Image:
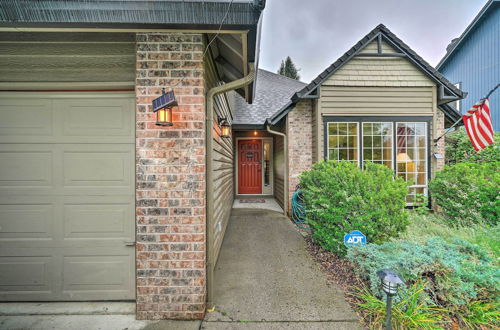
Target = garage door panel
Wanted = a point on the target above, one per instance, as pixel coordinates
(98, 221)
(24, 276)
(85, 276)
(23, 119)
(25, 221)
(21, 168)
(102, 167)
(67, 198)
(98, 118)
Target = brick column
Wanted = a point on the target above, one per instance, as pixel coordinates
(170, 173)
(300, 126)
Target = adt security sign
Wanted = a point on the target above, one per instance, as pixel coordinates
(354, 238)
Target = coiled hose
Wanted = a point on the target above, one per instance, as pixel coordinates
(298, 209)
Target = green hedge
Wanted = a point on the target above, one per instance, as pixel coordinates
(468, 193)
(459, 149)
(340, 197)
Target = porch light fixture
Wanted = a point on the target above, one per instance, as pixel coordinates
(225, 128)
(390, 284)
(163, 106)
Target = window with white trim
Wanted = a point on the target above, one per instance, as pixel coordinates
(377, 143)
(343, 141)
(400, 145)
(411, 157)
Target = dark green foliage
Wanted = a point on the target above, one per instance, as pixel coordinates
(458, 272)
(288, 69)
(468, 193)
(459, 149)
(340, 197)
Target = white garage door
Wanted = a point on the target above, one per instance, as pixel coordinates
(67, 201)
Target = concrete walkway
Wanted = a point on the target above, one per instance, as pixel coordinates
(265, 279)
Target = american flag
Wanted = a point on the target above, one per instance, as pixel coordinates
(478, 125)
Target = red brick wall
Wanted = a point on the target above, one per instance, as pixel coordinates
(300, 155)
(170, 187)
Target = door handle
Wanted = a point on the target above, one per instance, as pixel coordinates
(129, 243)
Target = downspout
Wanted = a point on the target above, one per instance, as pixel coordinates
(209, 126)
(285, 174)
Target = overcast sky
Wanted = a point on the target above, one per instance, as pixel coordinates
(314, 33)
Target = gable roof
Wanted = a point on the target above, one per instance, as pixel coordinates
(456, 43)
(391, 39)
(273, 91)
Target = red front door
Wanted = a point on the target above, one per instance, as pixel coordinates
(250, 167)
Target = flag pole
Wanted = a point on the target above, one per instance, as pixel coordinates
(458, 121)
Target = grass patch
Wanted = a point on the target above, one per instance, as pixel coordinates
(426, 226)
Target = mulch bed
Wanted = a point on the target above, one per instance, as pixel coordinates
(338, 271)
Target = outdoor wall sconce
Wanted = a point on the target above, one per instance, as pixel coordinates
(163, 106)
(225, 128)
(390, 283)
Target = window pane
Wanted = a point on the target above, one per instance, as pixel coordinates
(343, 141)
(332, 129)
(367, 141)
(411, 157)
(343, 154)
(377, 143)
(353, 129)
(342, 128)
(333, 154)
(352, 141)
(333, 142)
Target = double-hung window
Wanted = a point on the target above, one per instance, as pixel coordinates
(398, 143)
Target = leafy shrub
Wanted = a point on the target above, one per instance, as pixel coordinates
(340, 197)
(410, 311)
(458, 272)
(459, 149)
(468, 192)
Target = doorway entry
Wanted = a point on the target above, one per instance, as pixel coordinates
(254, 168)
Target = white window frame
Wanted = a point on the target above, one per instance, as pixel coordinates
(357, 139)
(392, 139)
(426, 157)
(394, 122)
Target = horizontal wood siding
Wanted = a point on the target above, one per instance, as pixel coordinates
(279, 169)
(376, 100)
(42, 58)
(222, 165)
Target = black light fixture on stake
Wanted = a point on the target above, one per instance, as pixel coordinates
(225, 128)
(390, 284)
(163, 106)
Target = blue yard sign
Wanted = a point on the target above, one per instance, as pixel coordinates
(354, 238)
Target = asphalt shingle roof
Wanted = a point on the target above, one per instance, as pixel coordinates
(273, 91)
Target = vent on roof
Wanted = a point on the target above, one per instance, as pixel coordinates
(451, 44)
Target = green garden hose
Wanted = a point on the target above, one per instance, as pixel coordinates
(298, 209)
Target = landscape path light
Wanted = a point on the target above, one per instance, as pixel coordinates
(390, 284)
